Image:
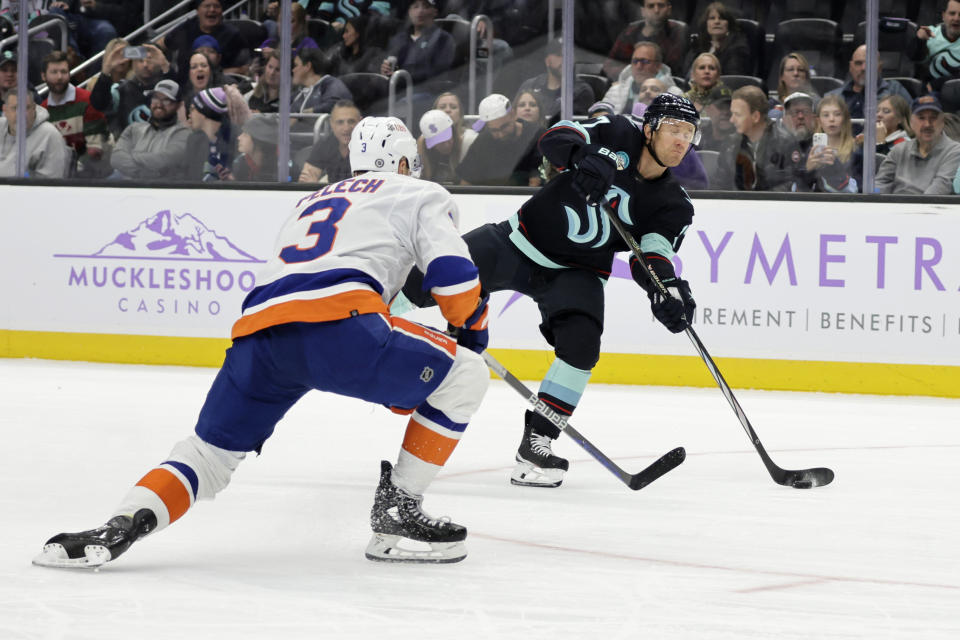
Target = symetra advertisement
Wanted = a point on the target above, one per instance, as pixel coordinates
(826, 281)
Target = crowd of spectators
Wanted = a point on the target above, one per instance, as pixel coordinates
(199, 101)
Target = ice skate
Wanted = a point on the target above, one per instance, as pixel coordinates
(91, 549)
(536, 465)
(402, 532)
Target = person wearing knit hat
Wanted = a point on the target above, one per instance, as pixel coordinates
(212, 103)
(211, 139)
(257, 145)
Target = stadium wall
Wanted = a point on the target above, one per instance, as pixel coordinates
(804, 293)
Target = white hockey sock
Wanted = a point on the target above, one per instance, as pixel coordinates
(194, 470)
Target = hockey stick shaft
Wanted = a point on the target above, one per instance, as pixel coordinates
(816, 477)
(635, 481)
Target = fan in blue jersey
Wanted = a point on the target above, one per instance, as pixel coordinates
(318, 319)
(558, 249)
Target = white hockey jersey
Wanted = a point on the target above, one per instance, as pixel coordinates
(349, 247)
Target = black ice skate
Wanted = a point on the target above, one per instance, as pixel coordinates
(536, 465)
(402, 532)
(91, 549)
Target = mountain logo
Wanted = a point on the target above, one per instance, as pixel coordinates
(164, 236)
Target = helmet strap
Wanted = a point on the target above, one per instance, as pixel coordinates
(653, 154)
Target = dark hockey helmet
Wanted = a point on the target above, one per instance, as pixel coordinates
(668, 106)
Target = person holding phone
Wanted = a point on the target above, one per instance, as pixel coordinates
(126, 102)
(834, 162)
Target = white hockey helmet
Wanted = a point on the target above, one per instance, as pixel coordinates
(377, 144)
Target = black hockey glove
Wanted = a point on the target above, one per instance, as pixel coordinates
(473, 334)
(676, 311)
(595, 167)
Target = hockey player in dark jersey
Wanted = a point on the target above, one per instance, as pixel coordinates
(558, 249)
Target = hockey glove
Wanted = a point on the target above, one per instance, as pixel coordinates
(473, 334)
(596, 167)
(676, 310)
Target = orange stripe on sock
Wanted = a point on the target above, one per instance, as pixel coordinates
(165, 484)
(427, 445)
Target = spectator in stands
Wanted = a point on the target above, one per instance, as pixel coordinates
(852, 92)
(837, 166)
(893, 123)
(450, 104)
(505, 152)
(353, 54)
(203, 75)
(8, 72)
(235, 56)
(118, 69)
(424, 50)
(125, 101)
(928, 163)
(704, 77)
(339, 12)
(938, 47)
(547, 85)
(319, 90)
(298, 29)
(799, 120)
(47, 153)
(527, 107)
(257, 147)
(440, 149)
(646, 63)
(83, 127)
(265, 97)
(716, 127)
(212, 146)
(155, 149)
(718, 33)
(329, 159)
(654, 27)
(763, 157)
(86, 34)
(794, 77)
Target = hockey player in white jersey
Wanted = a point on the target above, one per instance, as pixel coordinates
(318, 319)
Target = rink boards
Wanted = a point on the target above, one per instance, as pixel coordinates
(803, 295)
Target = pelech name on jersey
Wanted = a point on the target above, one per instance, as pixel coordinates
(350, 185)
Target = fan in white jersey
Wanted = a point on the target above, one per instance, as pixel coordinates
(318, 319)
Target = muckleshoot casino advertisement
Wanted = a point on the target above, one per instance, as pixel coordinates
(785, 281)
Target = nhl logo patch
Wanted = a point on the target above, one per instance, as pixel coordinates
(427, 374)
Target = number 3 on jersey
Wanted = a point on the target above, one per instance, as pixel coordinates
(324, 231)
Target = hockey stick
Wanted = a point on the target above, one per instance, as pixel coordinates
(635, 481)
(798, 479)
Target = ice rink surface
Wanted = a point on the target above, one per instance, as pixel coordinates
(713, 549)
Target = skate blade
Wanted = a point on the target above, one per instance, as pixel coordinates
(393, 548)
(527, 474)
(54, 555)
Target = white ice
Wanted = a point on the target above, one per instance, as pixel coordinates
(712, 550)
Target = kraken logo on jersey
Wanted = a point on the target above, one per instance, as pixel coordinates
(597, 230)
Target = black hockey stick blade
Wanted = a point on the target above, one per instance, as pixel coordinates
(635, 481)
(665, 463)
(800, 479)
(806, 478)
